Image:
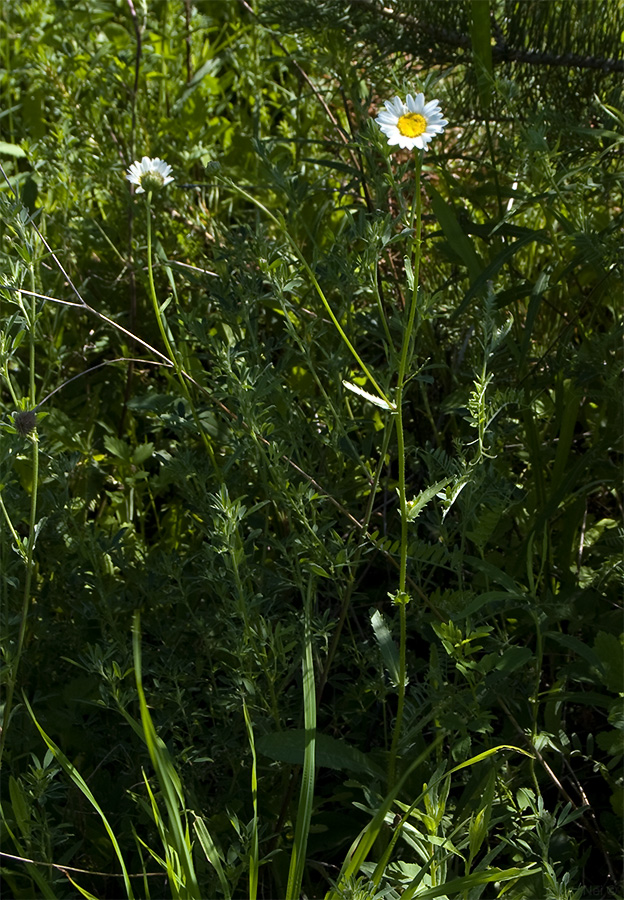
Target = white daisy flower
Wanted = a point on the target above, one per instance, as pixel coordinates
(149, 174)
(411, 124)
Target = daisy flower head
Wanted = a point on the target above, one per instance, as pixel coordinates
(411, 124)
(149, 174)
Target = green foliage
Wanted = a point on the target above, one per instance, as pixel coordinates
(178, 449)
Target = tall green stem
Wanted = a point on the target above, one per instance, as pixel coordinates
(8, 706)
(406, 356)
(171, 352)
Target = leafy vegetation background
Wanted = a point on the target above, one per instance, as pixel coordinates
(513, 419)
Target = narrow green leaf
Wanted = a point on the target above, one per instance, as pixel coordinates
(212, 854)
(362, 845)
(481, 38)
(83, 891)
(486, 754)
(20, 807)
(570, 405)
(532, 310)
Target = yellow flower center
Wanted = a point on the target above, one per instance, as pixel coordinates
(412, 124)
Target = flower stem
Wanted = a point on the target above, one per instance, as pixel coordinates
(171, 351)
(404, 361)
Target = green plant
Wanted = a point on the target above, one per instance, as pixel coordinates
(302, 385)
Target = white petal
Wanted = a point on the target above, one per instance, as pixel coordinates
(395, 106)
(432, 107)
(416, 104)
(386, 118)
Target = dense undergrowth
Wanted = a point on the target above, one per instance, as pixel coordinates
(215, 682)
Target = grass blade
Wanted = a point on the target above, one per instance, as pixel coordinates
(253, 861)
(169, 782)
(362, 845)
(212, 854)
(469, 881)
(306, 798)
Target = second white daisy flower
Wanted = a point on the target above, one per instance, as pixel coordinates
(411, 124)
(149, 174)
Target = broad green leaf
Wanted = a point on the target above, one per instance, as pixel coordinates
(454, 233)
(289, 747)
(578, 647)
(610, 651)
(493, 597)
(11, 150)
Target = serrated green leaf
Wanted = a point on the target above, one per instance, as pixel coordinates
(416, 506)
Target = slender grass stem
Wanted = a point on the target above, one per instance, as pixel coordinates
(299, 254)
(31, 340)
(382, 315)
